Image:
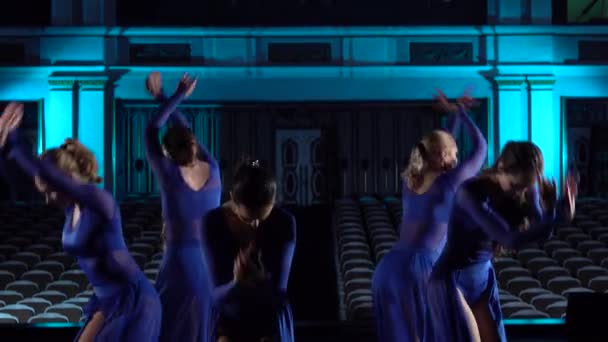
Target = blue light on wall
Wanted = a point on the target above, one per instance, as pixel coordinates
(58, 118)
(91, 118)
(545, 123)
(512, 111)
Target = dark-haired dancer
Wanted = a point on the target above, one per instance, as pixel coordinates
(125, 306)
(430, 181)
(463, 293)
(190, 186)
(250, 245)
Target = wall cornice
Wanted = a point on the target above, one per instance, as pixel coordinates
(352, 31)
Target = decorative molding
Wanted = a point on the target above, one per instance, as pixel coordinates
(509, 82)
(160, 53)
(299, 53)
(357, 31)
(92, 84)
(545, 82)
(61, 83)
(441, 53)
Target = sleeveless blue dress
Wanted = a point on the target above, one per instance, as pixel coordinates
(129, 303)
(182, 280)
(250, 313)
(400, 279)
(466, 261)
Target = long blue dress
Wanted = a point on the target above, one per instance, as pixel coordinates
(129, 303)
(250, 313)
(466, 261)
(399, 282)
(182, 281)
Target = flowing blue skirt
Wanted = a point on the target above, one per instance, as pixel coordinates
(399, 292)
(183, 286)
(133, 314)
(446, 320)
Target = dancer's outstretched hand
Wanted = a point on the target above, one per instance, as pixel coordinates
(466, 100)
(548, 193)
(154, 84)
(442, 103)
(570, 193)
(10, 120)
(187, 85)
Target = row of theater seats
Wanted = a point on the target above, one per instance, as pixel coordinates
(41, 283)
(534, 282)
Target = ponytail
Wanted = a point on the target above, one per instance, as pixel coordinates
(413, 174)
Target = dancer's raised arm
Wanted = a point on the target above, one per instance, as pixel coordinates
(154, 86)
(81, 191)
(154, 151)
(495, 226)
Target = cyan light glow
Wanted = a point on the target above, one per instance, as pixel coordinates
(534, 321)
(512, 116)
(58, 117)
(57, 325)
(91, 120)
(545, 128)
(508, 321)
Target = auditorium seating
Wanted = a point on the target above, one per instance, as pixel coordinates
(39, 282)
(534, 282)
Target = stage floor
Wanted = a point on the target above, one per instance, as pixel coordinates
(546, 330)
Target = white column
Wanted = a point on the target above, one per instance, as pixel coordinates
(92, 117)
(59, 111)
(512, 109)
(545, 122)
(62, 12)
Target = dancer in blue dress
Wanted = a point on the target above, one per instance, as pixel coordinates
(250, 245)
(190, 186)
(125, 306)
(430, 182)
(463, 302)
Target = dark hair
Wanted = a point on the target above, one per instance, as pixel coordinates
(178, 143)
(520, 157)
(253, 186)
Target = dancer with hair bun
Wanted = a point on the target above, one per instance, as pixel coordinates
(429, 184)
(250, 244)
(125, 306)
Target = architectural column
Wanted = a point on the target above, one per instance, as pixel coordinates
(545, 122)
(512, 109)
(99, 12)
(59, 112)
(63, 12)
(541, 12)
(91, 127)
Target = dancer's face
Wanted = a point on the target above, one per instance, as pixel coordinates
(447, 154)
(517, 183)
(253, 217)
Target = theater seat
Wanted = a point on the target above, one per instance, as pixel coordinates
(48, 317)
(38, 304)
(69, 288)
(25, 287)
(6, 318)
(22, 312)
(556, 310)
(529, 313)
(10, 297)
(54, 297)
(71, 311)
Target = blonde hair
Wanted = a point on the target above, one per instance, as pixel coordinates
(430, 145)
(72, 157)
